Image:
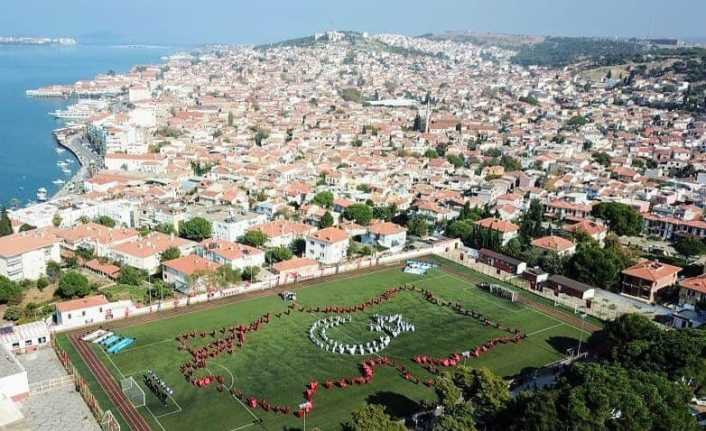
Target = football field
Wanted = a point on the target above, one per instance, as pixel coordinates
(275, 363)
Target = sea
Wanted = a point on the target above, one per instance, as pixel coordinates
(28, 151)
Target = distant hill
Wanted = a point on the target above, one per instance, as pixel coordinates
(507, 41)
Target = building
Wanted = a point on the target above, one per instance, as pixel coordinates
(328, 246)
(144, 253)
(567, 286)
(25, 338)
(296, 267)
(84, 311)
(14, 385)
(501, 262)
(183, 272)
(281, 233)
(594, 230)
(231, 254)
(644, 279)
(24, 255)
(692, 290)
(96, 237)
(236, 225)
(504, 229)
(555, 244)
(388, 235)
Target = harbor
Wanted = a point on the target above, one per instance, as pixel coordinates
(74, 140)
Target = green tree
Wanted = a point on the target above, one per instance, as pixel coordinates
(10, 292)
(73, 284)
(250, 273)
(326, 220)
(621, 218)
(278, 254)
(13, 313)
(131, 276)
(166, 228)
(597, 266)
(298, 246)
(170, 254)
(602, 158)
(56, 220)
(372, 418)
(254, 238)
(510, 163)
(360, 213)
(531, 225)
(456, 159)
(5, 223)
(42, 283)
(26, 227)
(106, 221)
(459, 229)
(689, 246)
(417, 226)
(53, 271)
(324, 199)
(431, 154)
(230, 119)
(196, 229)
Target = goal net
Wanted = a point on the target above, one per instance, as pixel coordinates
(133, 392)
(503, 292)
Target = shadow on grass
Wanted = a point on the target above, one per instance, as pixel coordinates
(563, 344)
(395, 405)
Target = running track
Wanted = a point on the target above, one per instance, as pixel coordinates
(109, 385)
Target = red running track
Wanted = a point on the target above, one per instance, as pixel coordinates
(110, 386)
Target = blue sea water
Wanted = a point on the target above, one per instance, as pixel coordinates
(28, 153)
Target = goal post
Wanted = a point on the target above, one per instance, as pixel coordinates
(133, 391)
(503, 292)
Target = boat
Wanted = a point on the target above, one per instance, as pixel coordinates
(59, 150)
(66, 170)
(41, 194)
(58, 181)
(69, 161)
(61, 163)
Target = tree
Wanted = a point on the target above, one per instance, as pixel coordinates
(170, 254)
(361, 213)
(26, 227)
(13, 313)
(621, 218)
(166, 228)
(250, 273)
(510, 163)
(230, 119)
(326, 220)
(254, 238)
(456, 159)
(131, 276)
(42, 283)
(459, 229)
(602, 158)
(196, 229)
(56, 220)
(73, 284)
(5, 223)
(53, 271)
(372, 418)
(431, 154)
(324, 199)
(298, 246)
(689, 246)
(277, 254)
(417, 226)
(597, 266)
(106, 221)
(84, 252)
(10, 292)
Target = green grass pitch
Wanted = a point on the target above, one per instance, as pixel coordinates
(278, 361)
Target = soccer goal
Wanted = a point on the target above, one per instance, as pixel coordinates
(503, 292)
(133, 391)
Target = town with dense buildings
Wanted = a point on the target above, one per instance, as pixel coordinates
(229, 169)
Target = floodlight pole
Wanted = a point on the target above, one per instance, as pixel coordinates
(305, 420)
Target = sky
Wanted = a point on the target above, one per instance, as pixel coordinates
(192, 22)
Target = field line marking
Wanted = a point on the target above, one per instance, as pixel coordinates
(242, 427)
(546, 329)
(232, 378)
(147, 345)
(558, 320)
(509, 310)
(155, 418)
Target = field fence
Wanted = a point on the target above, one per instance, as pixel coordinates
(105, 419)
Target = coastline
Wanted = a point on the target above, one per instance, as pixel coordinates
(73, 141)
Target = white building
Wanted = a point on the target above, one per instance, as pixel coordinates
(24, 338)
(234, 255)
(389, 235)
(183, 272)
(144, 253)
(25, 255)
(236, 225)
(14, 385)
(328, 246)
(85, 311)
